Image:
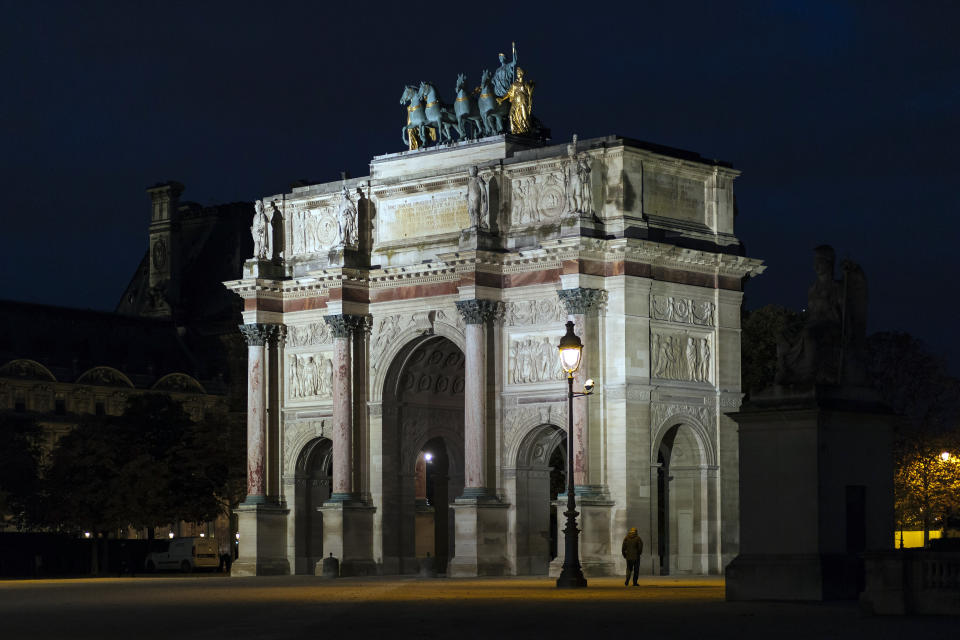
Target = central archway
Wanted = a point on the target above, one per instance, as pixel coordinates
(422, 413)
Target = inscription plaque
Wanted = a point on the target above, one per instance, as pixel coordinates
(673, 196)
(423, 215)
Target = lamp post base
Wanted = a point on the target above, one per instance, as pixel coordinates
(571, 580)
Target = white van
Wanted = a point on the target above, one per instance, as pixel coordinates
(184, 554)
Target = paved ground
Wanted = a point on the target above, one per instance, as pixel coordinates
(212, 607)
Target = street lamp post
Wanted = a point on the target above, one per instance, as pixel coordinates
(571, 577)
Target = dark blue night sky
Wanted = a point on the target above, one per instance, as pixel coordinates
(842, 116)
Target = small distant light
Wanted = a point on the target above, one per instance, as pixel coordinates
(428, 457)
(945, 456)
(170, 534)
(86, 534)
(203, 535)
(238, 535)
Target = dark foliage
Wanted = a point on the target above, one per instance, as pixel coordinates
(151, 466)
(20, 440)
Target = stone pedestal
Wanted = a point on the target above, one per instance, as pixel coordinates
(816, 492)
(481, 538)
(597, 556)
(263, 532)
(424, 525)
(348, 535)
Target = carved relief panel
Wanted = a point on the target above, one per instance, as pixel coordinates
(686, 356)
(313, 228)
(537, 199)
(309, 375)
(535, 312)
(315, 333)
(533, 358)
(683, 310)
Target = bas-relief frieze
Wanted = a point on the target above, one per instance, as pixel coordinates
(315, 333)
(660, 412)
(682, 356)
(537, 199)
(296, 434)
(313, 228)
(533, 359)
(422, 215)
(387, 328)
(519, 420)
(310, 376)
(683, 310)
(535, 312)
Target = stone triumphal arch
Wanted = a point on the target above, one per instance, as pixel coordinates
(404, 391)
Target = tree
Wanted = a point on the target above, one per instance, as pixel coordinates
(151, 466)
(81, 480)
(915, 383)
(19, 468)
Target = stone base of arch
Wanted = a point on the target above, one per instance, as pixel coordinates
(263, 532)
(598, 557)
(348, 535)
(481, 530)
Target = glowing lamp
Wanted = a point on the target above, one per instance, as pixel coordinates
(945, 456)
(428, 456)
(570, 351)
(170, 534)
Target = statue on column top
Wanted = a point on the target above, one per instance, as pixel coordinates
(261, 236)
(348, 218)
(477, 205)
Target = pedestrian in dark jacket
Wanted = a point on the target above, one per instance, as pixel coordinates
(631, 550)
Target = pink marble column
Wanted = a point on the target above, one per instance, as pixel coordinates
(582, 306)
(477, 314)
(420, 479)
(257, 335)
(342, 328)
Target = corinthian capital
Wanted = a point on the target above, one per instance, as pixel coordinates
(258, 334)
(479, 311)
(581, 300)
(344, 324)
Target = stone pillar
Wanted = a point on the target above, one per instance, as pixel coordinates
(477, 314)
(347, 520)
(261, 519)
(258, 384)
(341, 327)
(582, 307)
(480, 519)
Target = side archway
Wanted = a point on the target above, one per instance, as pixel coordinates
(313, 481)
(540, 475)
(684, 508)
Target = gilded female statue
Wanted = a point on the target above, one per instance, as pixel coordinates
(520, 95)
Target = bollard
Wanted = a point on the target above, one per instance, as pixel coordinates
(331, 567)
(428, 567)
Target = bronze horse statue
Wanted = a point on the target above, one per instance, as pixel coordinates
(492, 114)
(438, 114)
(467, 111)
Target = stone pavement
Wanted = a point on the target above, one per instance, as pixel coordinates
(213, 607)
